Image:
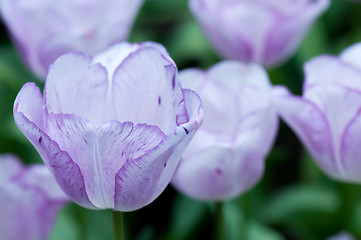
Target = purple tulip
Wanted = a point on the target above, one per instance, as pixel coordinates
(226, 157)
(30, 199)
(111, 128)
(327, 118)
(342, 236)
(263, 31)
(43, 30)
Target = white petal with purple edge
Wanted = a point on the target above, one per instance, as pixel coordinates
(326, 70)
(66, 172)
(350, 149)
(312, 127)
(151, 173)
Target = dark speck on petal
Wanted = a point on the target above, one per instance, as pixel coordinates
(186, 130)
(173, 82)
(165, 164)
(40, 139)
(159, 100)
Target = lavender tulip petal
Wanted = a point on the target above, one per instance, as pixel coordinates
(311, 125)
(219, 173)
(150, 174)
(17, 219)
(156, 85)
(252, 74)
(350, 152)
(266, 130)
(116, 54)
(191, 78)
(332, 100)
(210, 175)
(352, 55)
(251, 158)
(61, 95)
(40, 177)
(9, 166)
(326, 70)
(29, 101)
(214, 106)
(29, 118)
(93, 151)
(286, 35)
(29, 200)
(140, 181)
(66, 172)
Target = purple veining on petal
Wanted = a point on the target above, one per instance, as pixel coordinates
(312, 128)
(91, 154)
(151, 172)
(350, 151)
(59, 162)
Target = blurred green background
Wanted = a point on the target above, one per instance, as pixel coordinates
(294, 199)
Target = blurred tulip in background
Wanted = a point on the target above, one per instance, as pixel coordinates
(327, 118)
(43, 30)
(267, 32)
(226, 157)
(30, 199)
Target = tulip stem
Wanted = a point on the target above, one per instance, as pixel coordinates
(118, 223)
(220, 222)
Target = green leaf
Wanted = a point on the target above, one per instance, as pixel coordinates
(301, 201)
(258, 231)
(187, 215)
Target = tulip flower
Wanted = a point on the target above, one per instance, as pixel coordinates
(327, 118)
(30, 199)
(226, 157)
(342, 236)
(267, 32)
(111, 128)
(43, 30)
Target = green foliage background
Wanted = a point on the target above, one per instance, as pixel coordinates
(294, 199)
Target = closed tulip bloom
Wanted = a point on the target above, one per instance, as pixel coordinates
(43, 30)
(327, 118)
(30, 199)
(111, 128)
(226, 157)
(263, 31)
